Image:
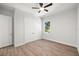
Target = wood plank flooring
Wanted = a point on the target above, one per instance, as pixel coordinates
(39, 48)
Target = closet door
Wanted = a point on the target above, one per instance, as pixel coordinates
(28, 29)
(5, 30)
(32, 29)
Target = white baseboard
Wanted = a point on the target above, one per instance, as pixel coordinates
(5, 44)
(17, 45)
(23, 43)
(63, 43)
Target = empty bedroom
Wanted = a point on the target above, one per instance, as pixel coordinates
(39, 29)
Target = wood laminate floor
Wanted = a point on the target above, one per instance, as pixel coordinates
(39, 48)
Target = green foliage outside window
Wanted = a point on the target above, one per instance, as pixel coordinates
(47, 26)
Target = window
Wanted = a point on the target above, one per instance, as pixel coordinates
(47, 26)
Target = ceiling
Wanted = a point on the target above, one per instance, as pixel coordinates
(56, 7)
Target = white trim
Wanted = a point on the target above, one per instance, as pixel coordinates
(63, 43)
(20, 44)
(5, 44)
(17, 45)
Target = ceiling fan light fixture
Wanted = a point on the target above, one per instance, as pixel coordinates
(41, 8)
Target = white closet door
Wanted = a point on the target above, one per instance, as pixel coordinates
(32, 29)
(5, 30)
(28, 28)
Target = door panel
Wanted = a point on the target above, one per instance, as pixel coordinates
(28, 28)
(32, 29)
(5, 31)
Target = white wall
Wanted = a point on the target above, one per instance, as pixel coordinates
(27, 27)
(7, 12)
(63, 26)
(78, 28)
(5, 31)
(18, 28)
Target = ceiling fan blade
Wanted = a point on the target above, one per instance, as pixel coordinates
(39, 11)
(41, 4)
(35, 7)
(48, 5)
(46, 10)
